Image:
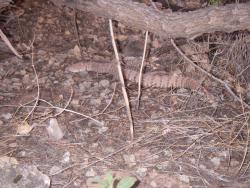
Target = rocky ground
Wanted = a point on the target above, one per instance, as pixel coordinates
(72, 128)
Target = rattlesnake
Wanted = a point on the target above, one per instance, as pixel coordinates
(149, 79)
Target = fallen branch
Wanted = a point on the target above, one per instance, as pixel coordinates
(227, 18)
(4, 3)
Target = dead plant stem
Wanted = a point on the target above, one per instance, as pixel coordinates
(7, 42)
(37, 81)
(125, 95)
(141, 69)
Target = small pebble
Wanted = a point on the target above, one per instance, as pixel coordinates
(66, 158)
(90, 173)
(216, 161)
(94, 145)
(22, 154)
(13, 145)
(6, 116)
(23, 72)
(104, 83)
(129, 160)
(142, 171)
(153, 184)
(184, 178)
(75, 102)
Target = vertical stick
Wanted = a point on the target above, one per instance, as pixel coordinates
(141, 69)
(125, 95)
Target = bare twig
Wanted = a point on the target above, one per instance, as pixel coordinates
(109, 101)
(125, 95)
(205, 182)
(154, 5)
(68, 110)
(67, 104)
(53, 107)
(76, 31)
(7, 42)
(141, 69)
(71, 181)
(246, 147)
(37, 81)
(210, 75)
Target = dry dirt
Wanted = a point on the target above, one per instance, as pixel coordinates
(180, 138)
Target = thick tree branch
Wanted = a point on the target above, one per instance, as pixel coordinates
(172, 25)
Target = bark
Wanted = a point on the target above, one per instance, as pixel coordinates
(4, 3)
(228, 18)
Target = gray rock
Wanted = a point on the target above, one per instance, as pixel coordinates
(54, 130)
(66, 158)
(14, 175)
